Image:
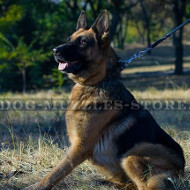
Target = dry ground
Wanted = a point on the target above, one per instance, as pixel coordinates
(32, 142)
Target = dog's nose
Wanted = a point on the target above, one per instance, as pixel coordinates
(55, 51)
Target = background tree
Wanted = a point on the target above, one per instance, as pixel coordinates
(146, 21)
(179, 7)
(120, 10)
(26, 57)
(29, 30)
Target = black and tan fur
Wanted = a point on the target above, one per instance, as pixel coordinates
(105, 124)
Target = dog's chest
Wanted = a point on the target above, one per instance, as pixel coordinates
(82, 114)
(85, 99)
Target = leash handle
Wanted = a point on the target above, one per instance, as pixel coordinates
(125, 63)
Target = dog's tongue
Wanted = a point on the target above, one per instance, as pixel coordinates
(62, 66)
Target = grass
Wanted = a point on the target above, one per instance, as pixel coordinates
(32, 142)
(31, 161)
(36, 152)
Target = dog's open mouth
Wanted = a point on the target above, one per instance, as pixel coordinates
(68, 66)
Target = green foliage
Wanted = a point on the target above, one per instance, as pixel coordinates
(25, 56)
(29, 30)
(132, 32)
(10, 17)
(58, 78)
(5, 43)
(188, 10)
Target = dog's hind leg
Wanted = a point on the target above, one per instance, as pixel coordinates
(134, 168)
(140, 174)
(151, 166)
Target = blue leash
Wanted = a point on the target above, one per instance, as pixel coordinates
(125, 63)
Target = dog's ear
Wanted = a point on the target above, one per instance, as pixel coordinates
(101, 25)
(82, 22)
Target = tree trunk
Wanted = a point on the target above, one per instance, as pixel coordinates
(120, 35)
(147, 23)
(126, 29)
(118, 10)
(114, 23)
(122, 32)
(24, 78)
(179, 52)
(95, 11)
(141, 34)
(179, 11)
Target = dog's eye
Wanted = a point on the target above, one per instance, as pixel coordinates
(83, 42)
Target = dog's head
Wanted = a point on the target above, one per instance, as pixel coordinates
(84, 57)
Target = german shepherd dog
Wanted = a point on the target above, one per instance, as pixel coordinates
(105, 123)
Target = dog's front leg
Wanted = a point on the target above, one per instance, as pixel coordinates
(74, 157)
